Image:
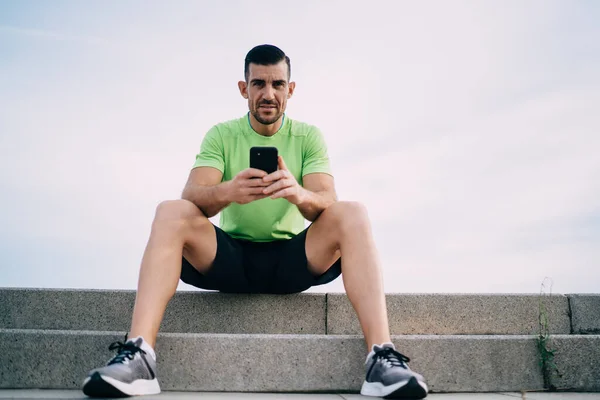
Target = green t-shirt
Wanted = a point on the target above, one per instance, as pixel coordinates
(226, 147)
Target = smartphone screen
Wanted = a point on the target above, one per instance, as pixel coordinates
(264, 158)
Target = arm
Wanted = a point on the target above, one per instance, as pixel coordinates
(318, 193)
(205, 190)
(204, 187)
(318, 189)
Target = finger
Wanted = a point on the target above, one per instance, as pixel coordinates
(275, 176)
(280, 184)
(281, 163)
(255, 182)
(282, 193)
(254, 191)
(272, 188)
(253, 173)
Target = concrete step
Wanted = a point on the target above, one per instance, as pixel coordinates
(300, 363)
(306, 313)
(198, 312)
(457, 314)
(586, 313)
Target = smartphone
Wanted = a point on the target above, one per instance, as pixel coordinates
(264, 158)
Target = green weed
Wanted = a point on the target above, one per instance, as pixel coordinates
(546, 352)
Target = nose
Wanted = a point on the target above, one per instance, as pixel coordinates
(269, 93)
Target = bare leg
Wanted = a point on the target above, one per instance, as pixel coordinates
(179, 228)
(344, 229)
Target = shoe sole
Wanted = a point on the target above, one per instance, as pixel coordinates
(104, 386)
(413, 389)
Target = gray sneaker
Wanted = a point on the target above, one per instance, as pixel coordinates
(388, 375)
(130, 373)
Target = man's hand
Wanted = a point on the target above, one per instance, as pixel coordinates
(247, 186)
(282, 184)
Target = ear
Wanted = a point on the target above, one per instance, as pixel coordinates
(243, 86)
(291, 88)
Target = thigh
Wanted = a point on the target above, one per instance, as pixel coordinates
(200, 240)
(322, 242)
(183, 226)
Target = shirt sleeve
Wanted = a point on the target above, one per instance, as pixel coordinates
(315, 157)
(211, 151)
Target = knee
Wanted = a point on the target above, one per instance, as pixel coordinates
(176, 214)
(348, 215)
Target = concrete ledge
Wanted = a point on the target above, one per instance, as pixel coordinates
(199, 312)
(577, 358)
(208, 312)
(585, 309)
(272, 363)
(456, 314)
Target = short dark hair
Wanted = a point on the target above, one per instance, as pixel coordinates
(266, 54)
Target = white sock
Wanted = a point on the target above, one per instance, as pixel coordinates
(145, 346)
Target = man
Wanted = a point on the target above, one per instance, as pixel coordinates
(261, 245)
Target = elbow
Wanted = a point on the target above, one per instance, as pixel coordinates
(206, 213)
(332, 198)
(185, 195)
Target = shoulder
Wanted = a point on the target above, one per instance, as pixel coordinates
(299, 128)
(228, 128)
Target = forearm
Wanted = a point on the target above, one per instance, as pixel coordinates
(314, 203)
(209, 199)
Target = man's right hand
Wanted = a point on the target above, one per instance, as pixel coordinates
(247, 186)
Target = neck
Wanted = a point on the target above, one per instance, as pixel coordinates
(265, 130)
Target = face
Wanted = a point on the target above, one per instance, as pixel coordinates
(267, 91)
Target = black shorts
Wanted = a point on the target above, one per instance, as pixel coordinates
(241, 266)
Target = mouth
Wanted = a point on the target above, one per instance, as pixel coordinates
(267, 106)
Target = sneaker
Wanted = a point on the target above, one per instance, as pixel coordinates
(388, 375)
(131, 372)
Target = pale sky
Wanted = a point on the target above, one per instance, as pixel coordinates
(469, 129)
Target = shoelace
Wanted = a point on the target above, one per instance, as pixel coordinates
(392, 357)
(125, 351)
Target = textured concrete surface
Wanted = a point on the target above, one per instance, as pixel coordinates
(196, 312)
(272, 363)
(211, 312)
(73, 394)
(585, 309)
(449, 314)
(577, 359)
(232, 313)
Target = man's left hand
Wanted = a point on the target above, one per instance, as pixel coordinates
(284, 185)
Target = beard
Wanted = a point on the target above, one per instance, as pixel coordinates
(266, 120)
